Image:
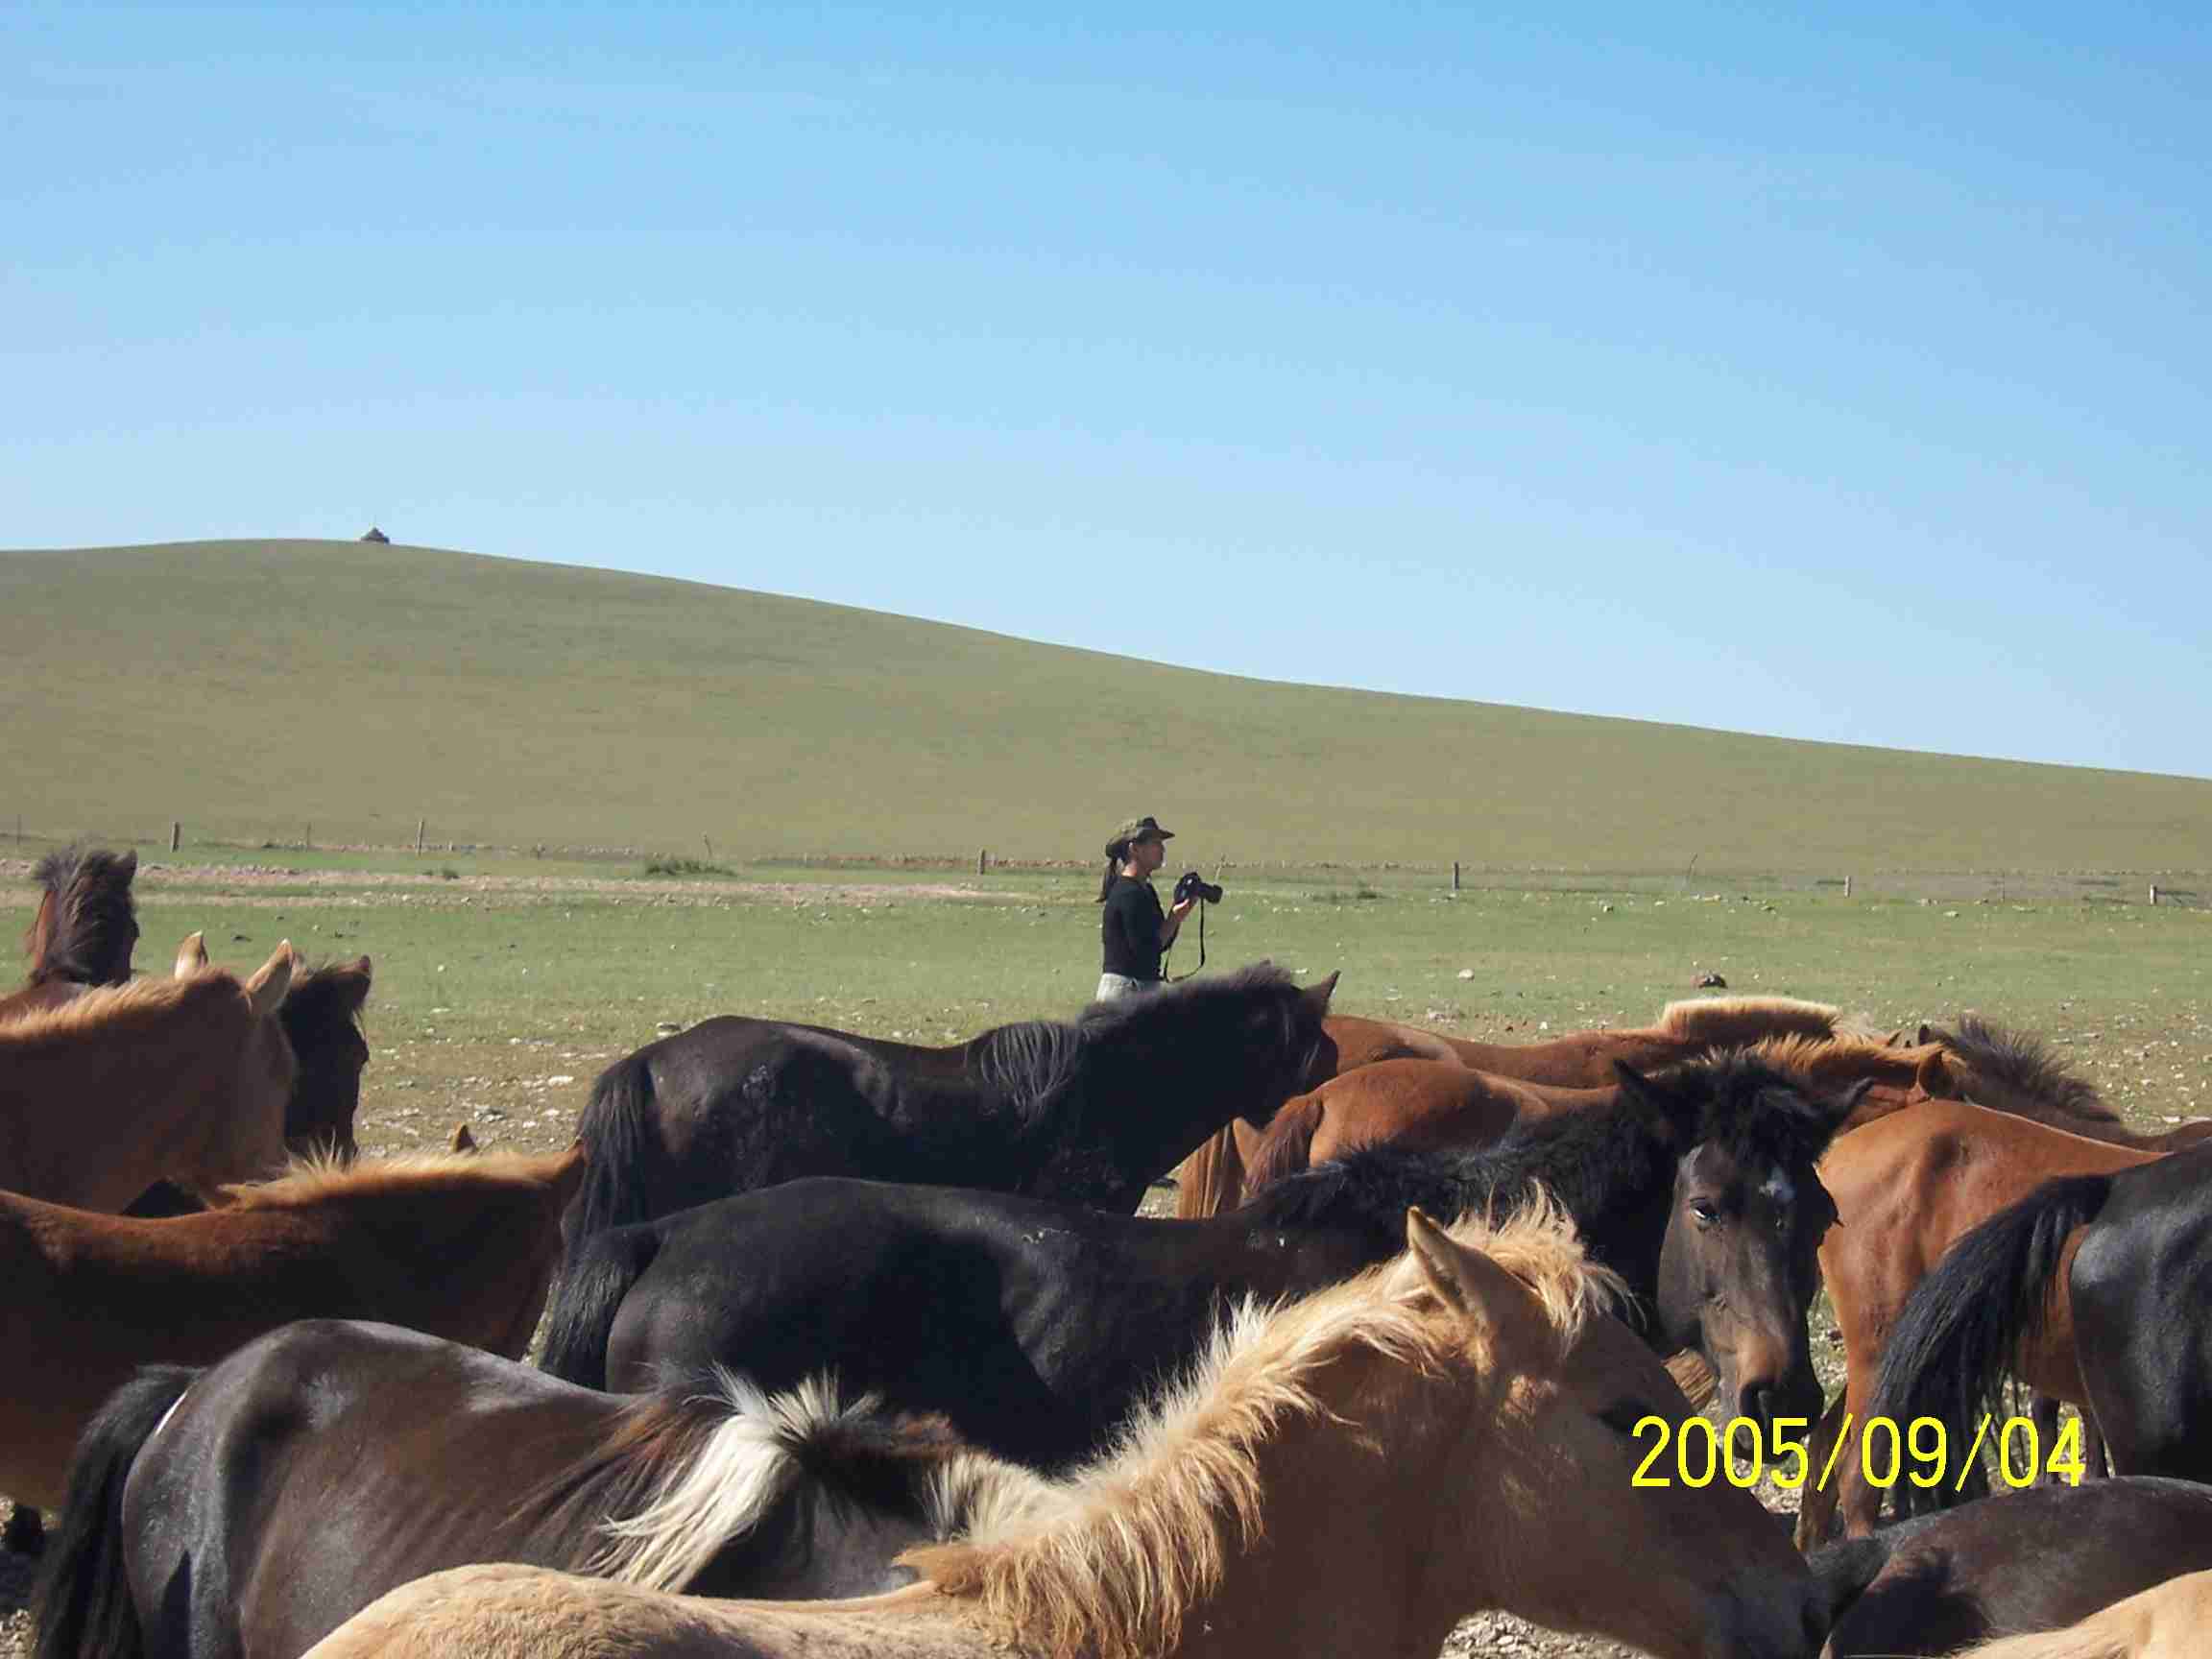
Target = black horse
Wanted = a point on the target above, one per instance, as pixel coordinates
(1087, 1110)
(2034, 1560)
(329, 1461)
(1036, 1327)
(2137, 1293)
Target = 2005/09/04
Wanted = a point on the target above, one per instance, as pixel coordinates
(1739, 1452)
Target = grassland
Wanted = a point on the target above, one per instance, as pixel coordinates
(284, 691)
(498, 997)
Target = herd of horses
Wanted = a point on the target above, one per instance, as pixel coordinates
(851, 1346)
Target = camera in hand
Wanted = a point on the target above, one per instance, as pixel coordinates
(1193, 885)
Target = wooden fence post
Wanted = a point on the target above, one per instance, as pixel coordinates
(419, 822)
(983, 862)
(1455, 874)
(2153, 894)
(1846, 886)
(175, 835)
(709, 846)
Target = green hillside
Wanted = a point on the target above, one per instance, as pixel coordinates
(248, 688)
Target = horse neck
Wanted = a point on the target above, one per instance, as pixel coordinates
(1609, 1170)
(1346, 1564)
(466, 1261)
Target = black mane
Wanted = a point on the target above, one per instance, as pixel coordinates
(95, 920)
(2023, 1063)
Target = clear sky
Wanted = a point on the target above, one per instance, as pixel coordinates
(1841, 373)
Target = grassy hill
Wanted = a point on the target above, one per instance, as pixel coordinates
(248, 688)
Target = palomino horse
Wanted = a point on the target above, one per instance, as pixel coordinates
(1434, 1103)
(460, 1247)
(1086, 1111)
(84, 931)
(1214, 1178)
(183, 1078)
(1036, 1327)
(2099, 1283)
(2034, 1560)
(2165, 1622)
(314, 1469)
(1348, 1474)
(1905, 1188)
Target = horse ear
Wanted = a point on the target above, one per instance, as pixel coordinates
(126, 864)
(1928, 1034)
(191, 955)
(1483, 1293)
(462, 1140)
(1896, 1038)
(271, 981)
(1933, 1076)
(1319, 995)
(1840, 1109)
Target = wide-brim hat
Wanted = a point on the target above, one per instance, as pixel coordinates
(1135, 829)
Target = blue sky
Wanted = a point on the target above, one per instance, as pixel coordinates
(1842, 374)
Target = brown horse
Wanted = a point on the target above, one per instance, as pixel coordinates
(1349, 1473)
(460, 1248)
(2168, 1622)
(1905, 1188)
(1214, 1178)
(1432, 1103)
(2015, 1072)
(184, 1079)
(85, 930)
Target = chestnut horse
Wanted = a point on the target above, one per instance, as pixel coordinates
(84, 931)
(2013, 1071)
(462, 1247)
(320, 1465)
(1350, 1473)
(1433, 1104)
(1214, 1178)
(1905, 1188)
(183, 1078)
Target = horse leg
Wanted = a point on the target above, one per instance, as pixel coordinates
(1816, 1503)
(26, 1531)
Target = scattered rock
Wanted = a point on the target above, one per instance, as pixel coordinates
(1710, 982)
(1466, 972)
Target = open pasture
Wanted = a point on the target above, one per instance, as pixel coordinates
(502, 992)
(499, 999)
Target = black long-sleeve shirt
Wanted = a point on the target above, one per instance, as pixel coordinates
(1131, 929)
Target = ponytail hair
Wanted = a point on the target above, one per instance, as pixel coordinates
(1116, 853)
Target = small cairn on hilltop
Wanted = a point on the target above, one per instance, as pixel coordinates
(377, 535)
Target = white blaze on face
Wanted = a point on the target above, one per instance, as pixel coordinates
(1780, 1187)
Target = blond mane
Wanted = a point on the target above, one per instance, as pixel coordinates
(119, 1010)
(1110, 1565)
(1724, 1019)
(317, 1177)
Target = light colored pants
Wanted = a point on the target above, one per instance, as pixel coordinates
(1112, 986)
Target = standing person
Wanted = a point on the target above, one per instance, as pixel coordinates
(1134, 930)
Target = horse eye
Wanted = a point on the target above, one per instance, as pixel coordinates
(1704, 1211)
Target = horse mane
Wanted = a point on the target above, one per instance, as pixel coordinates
(681, 1473)
(319, 1177)
(1758, 1112)
(121, 1011)
(1733, 1019)
(1818, 1057)
(1035, 1063)
(1111, 1566)
(91, 922)
(2025, 1063)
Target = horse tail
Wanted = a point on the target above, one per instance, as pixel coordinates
(1288, 1144)
(1964, 1327)
(615, 1128)
(1212, 1178)
(82, 1602)
(601, 1269)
